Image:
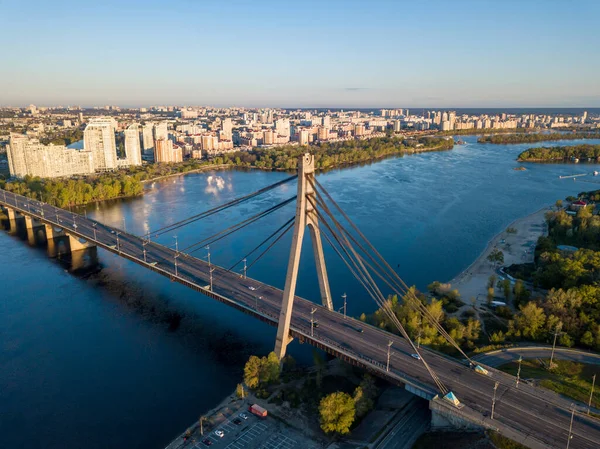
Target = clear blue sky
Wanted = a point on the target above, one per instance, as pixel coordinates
(322, 53)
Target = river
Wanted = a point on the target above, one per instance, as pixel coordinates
(121, 357)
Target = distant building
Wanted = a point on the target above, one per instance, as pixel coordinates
(99, 138)
(148, 137)
(133, 150)
(28, 156)
(303, 137)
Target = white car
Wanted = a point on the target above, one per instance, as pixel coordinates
(219, 433)
(243, 416)
(416, 356)
(251, 288)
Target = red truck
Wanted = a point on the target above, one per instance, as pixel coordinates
(258, 411)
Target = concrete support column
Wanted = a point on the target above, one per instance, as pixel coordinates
(76, 245)
(12, 216)
(12, 220)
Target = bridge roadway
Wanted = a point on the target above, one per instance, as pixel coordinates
(537, 417)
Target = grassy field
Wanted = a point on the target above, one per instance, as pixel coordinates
(570, 379)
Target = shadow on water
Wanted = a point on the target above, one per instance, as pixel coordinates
(194, 331)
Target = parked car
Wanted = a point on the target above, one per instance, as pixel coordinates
(219, 433)
(206, 442)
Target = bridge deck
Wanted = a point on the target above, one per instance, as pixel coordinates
(537, 417)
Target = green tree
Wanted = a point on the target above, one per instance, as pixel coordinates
(490, 295)
(559, 204)
(239, 391)
(252, 372)
(337, 412)
(496, 257)
(491, 281)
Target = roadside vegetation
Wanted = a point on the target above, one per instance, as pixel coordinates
(583, 152)
(536, 137)
(571, 379)
(339, 401)
(464, 330)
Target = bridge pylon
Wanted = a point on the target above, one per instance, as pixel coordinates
(305, 216)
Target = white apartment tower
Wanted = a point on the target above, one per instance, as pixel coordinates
(133, 152)
(147, 137)
(161, 131)
(99, 138)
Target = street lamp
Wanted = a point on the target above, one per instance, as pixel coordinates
(344, 297)
(494, 399)
(571, 425)
(312, 320)
(591, 394)
(118, 249)
(389, 346)
(144, 242)
(211, 278)
(245, 268)
(519, 370)
(176, 244)
(94, 227)
(175, 259)
(207, 247)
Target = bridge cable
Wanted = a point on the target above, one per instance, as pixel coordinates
(417, 305)
(271, 245)
(385, 307)
(378, 296)
(214, 210)
(409, 297)
(261, 243)
(401, 284)
(236, 227)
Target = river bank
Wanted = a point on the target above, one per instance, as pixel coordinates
(517, 247)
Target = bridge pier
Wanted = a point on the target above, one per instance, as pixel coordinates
(12, 220)
(32, 225)
(75, 244)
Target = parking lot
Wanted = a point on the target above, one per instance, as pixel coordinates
(251, 433)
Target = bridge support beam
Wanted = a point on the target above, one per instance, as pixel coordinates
(305, 216)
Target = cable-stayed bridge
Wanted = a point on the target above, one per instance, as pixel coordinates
(458, 393)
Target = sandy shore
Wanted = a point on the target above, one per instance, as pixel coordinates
(517, 248)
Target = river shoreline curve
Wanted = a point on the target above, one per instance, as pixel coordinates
(472, 281)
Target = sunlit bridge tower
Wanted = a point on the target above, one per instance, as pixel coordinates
(305, 216)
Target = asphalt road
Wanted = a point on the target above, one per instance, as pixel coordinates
(527, 410)
(502, 356)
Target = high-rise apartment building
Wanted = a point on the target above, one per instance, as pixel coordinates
(227, 128)
(303, 137)
(148, 137)
(161, 131)
(133, 151)
(99, 138)
(30, 157)
(164, 152)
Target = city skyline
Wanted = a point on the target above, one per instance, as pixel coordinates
(267, 54)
